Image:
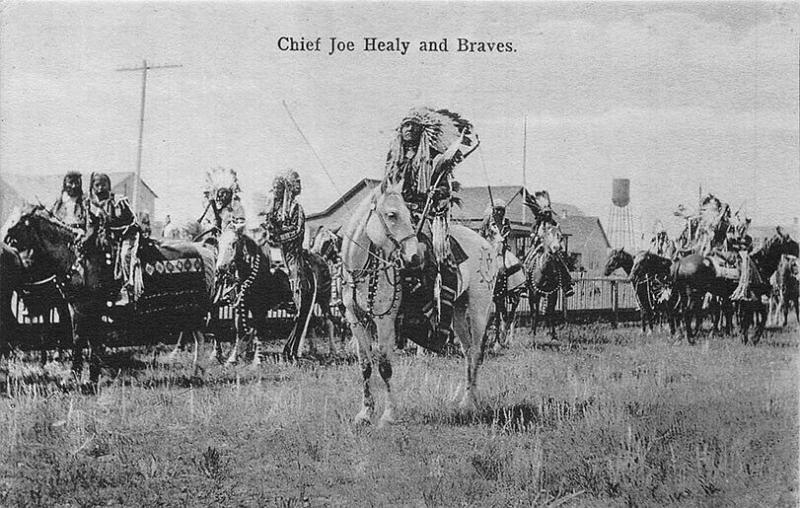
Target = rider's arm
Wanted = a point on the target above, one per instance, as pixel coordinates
(294, 225)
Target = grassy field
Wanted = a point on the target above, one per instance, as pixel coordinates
(607, 419)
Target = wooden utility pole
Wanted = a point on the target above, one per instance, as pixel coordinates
(138, 177)
(524, 163)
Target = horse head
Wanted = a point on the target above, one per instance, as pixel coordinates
(384, 220)
(327, 244)
(45, 244)
(552, 238)
(228, 243)
(769, 255)
(618, 258)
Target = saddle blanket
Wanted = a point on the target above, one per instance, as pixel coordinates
(175, 279)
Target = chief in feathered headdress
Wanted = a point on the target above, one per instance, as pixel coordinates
(222, 196)
(426, 143)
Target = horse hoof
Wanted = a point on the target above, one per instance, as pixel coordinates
(468, 403)
(387, 419)
(362, 419)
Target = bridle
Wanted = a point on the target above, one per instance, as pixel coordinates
(398, 243)
(57, 278)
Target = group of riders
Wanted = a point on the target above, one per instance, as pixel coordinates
(427, 147)
(713, 231)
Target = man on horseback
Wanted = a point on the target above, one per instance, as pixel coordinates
(287, 224)
(70, 206)
(543, 216)
(111, 227)
(496, 227)
(660, 244)
(222, 198)
(429, 144)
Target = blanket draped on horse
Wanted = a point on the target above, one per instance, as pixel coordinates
(177, 277)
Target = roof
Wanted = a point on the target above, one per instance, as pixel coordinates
(47, 187)
(582, 226)
(370, 183)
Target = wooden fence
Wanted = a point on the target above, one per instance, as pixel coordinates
(596, 299)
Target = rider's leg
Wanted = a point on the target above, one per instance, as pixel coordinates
(447, 297)
(566, 278)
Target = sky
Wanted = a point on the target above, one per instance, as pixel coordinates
(674, 96)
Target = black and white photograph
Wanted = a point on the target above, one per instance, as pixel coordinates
(415, 253)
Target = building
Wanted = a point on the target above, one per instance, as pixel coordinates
(17, 188)
(586, 239)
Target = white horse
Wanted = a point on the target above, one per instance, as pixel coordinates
(378, 238)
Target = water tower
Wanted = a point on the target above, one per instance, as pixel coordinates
(620, 221)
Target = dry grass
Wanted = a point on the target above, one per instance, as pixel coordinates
(611, 419)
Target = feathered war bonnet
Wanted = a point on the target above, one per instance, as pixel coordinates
(221, 178)
(440, 130)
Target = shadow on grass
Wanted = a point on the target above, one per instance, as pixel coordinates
(520, 417)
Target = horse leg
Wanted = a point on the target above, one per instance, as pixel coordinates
(327, 317)
(497, 321)
(761, 313)
(744, 321)
(386, 341)
(174, 353)
(533, 301)
(511, 323)
(550, 315)
(78, 342)
(471, 330)
(363, 347)
(199, 339)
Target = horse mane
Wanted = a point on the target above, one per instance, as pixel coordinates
(62, 231)
(355, 228)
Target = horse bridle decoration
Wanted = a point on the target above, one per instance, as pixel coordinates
(388, 232)
(73, 244)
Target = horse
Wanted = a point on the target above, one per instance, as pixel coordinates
(695, 275)
(379, 242)
(544, 276)
(314, 287)
(177, 279)
(785, 291)
(648, 274)
(509, 287)
(257, 288)
(327, 244)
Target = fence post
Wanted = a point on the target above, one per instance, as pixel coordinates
(615, 302)
(563, 303)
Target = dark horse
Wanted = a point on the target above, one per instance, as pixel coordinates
(543, 271)
(785, 289)
(257, 288)
(37, 289)
(178, 280)
(649, 274)
(695, 275)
